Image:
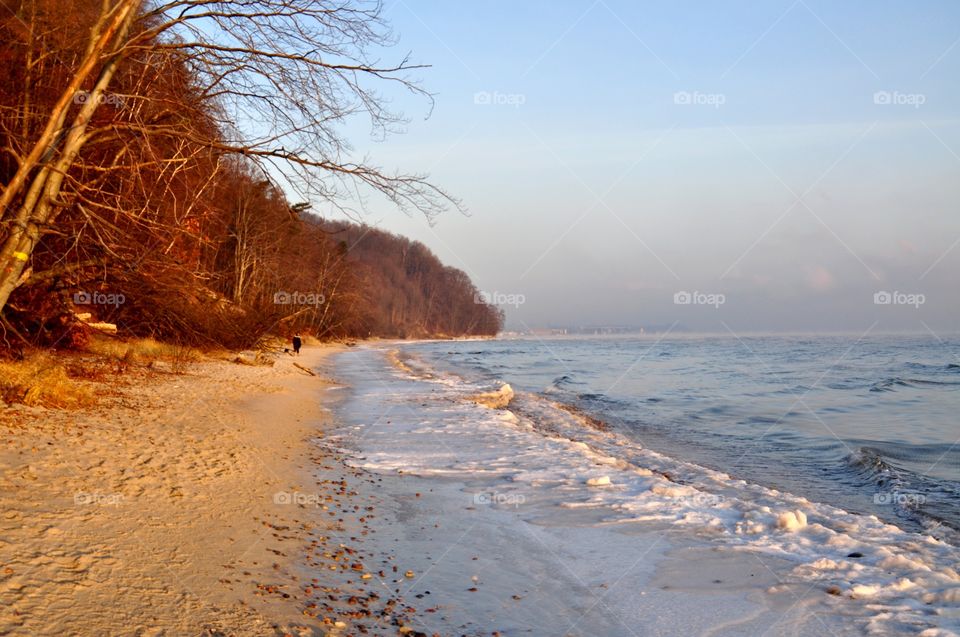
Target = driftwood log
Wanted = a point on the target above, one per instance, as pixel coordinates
(299, 366)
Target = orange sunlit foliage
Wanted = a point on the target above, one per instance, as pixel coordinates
(159, 210)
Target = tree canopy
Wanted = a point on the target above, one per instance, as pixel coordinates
(140, 147)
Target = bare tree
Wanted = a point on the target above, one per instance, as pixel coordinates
(277, 77)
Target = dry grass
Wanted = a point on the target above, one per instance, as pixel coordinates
(257, 360)
(142, 349)
(70, 380)
(145, 351)
(42, 380)
(274, 343)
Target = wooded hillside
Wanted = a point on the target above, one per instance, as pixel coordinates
(140, 144)
(410, 293)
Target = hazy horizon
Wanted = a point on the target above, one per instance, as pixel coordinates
(787, 162)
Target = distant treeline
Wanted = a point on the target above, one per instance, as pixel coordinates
(130, 195)
(409, 292)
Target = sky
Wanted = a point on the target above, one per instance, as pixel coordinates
(786, 165)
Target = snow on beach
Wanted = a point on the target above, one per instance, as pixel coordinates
(540, 466)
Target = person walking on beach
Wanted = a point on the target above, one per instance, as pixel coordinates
(296, 345)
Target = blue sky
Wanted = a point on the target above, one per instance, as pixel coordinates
(796, 157)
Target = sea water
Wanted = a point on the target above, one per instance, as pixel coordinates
(828, 461)
(871, 425)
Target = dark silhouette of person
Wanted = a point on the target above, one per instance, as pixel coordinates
(296, 345)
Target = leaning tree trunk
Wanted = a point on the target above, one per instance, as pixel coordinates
(42, 172)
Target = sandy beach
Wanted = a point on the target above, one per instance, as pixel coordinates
(349, 318)
(171, 508)
(376, 499)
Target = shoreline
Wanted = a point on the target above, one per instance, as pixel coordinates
(528, 521)
(245, 500)
(505, 557)
(162, 510)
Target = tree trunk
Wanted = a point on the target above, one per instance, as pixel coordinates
(40, 205)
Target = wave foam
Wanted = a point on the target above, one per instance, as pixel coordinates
(555, 458)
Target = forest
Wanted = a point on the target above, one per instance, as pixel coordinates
(160, 161)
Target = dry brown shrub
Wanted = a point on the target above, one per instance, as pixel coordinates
(42, 380)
